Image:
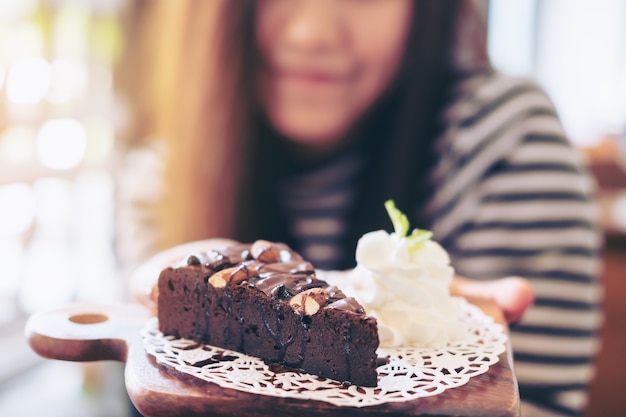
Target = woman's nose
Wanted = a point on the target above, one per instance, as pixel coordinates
(312, 25)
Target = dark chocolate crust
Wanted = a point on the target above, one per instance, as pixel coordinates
(264, 300)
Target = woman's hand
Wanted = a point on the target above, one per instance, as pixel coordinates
(513, 295)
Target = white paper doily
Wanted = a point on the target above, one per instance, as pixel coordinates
(409, 374)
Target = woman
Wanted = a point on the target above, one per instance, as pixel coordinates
(306, 115)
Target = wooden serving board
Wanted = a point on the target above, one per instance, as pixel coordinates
(88, 332)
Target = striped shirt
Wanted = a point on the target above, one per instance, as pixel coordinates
(511, 198)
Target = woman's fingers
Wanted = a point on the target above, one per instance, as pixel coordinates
(513, 295)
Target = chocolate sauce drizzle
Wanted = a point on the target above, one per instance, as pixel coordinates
(281, 279)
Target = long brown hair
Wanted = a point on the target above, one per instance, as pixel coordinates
(224, 158)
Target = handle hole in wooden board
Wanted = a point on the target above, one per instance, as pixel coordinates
(89, 318)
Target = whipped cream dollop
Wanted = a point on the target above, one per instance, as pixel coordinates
(406, 287)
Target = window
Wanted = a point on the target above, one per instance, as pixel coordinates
(576, 49)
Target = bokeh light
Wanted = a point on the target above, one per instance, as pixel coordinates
(28, 80)
(68, 81)
(100, 141)
(70, 30)
(20, 39)
(17, 209)
(16, 9)
(61, 143)
(53, 210)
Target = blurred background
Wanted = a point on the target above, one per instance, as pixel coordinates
(68, 121)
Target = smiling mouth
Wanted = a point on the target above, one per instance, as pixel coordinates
(312, 77)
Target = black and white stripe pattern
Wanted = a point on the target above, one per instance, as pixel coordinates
(316, 203)
(512, 198)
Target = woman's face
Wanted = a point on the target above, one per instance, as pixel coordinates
(324, 62)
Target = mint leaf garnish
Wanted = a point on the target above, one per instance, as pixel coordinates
(401, 227)
(418, 238)
(398, 219)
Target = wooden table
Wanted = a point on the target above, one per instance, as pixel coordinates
(90, 332)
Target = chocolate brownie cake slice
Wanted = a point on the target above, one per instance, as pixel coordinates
(264, 300)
